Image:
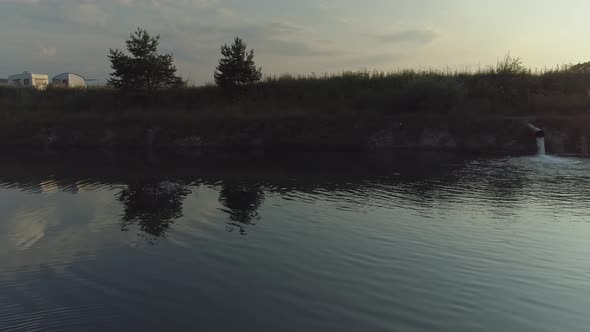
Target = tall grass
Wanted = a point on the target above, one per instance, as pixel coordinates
(508, 88)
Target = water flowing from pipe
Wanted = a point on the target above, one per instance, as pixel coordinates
(541, 146)
(540, 135)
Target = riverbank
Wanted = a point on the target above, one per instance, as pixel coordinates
(485, 133)
(485, 111)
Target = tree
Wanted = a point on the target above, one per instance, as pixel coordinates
(236, 67)
(144, 69)
(579, 68)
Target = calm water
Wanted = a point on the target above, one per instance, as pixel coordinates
(402, 242)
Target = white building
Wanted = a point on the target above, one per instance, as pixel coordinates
(26, 79)
(69, 80)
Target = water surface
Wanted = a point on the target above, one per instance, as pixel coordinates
(400, 242)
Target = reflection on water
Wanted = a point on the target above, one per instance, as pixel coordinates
(401, 241)
(153, 205)
(152, 197)
(241, 203)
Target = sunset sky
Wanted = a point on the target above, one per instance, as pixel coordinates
(303, 36)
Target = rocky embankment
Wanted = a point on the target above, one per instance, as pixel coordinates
(565, 135)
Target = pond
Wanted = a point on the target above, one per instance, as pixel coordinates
(391, 242)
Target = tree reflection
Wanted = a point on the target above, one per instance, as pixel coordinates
(152, 205)
(242, 203)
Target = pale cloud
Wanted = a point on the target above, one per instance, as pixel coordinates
(26, 225)
(290, 48)
(183, 3)
(48, 51)
(275, 37)
(20, 1)
(89, 14)
(291, 36)
(327, 5)
(155, 3)
(192, 30)
(227, 13)
(414, 36)
(372, 60)
(28, 228)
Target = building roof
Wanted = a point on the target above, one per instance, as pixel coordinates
(26, 73)
(70, 73)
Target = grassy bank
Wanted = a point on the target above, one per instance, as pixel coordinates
(436, 109)
(507, 89)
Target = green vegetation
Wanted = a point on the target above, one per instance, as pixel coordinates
(237, 68)
(580, 68)
(145, 69)
(144, 87)
(146, 104)
(508, 89)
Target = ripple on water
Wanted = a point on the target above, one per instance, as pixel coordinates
(482, 244)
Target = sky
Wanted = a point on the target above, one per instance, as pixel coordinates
(295, 36)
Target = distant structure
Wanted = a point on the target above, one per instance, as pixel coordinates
(29, 80)
(69, 80)
(3, 81)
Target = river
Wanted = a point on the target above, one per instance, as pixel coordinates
(394, 242)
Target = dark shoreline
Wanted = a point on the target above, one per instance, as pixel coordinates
(487, 134)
